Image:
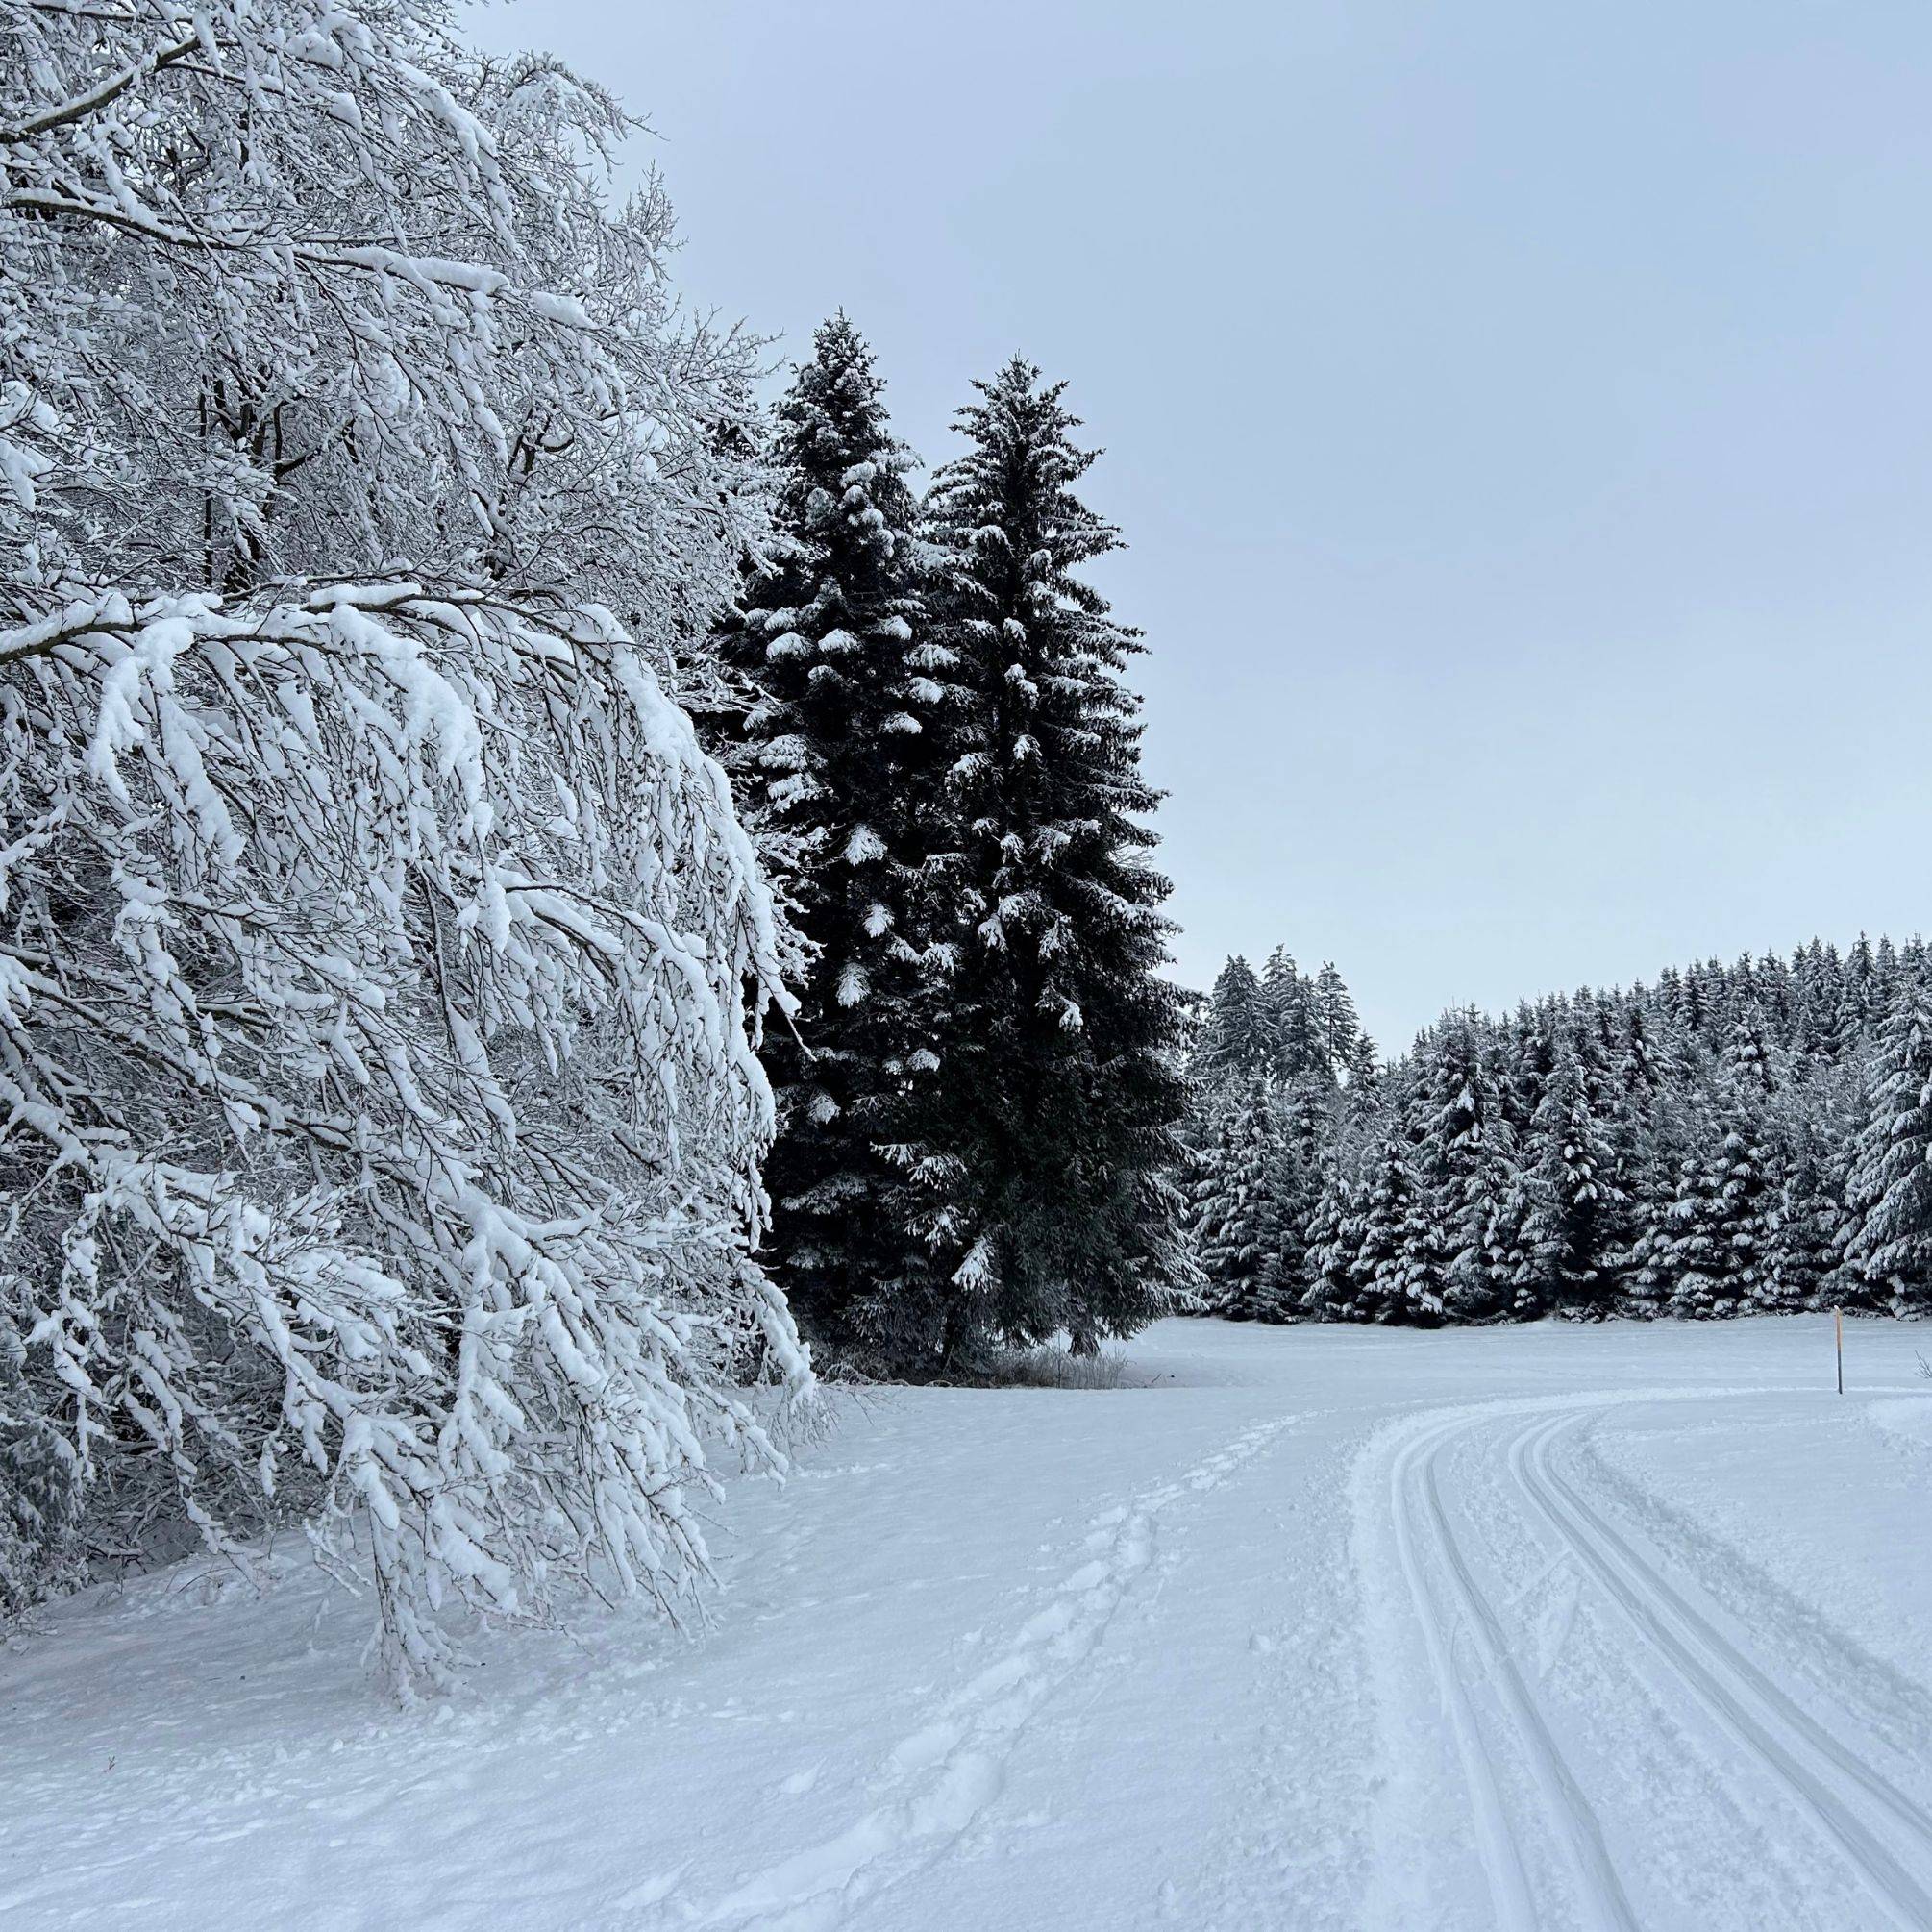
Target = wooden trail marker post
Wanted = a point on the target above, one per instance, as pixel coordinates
(1838, 1325)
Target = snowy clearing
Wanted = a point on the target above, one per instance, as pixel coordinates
(1531, 1627)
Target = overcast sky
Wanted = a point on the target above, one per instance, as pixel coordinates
(1519, 415)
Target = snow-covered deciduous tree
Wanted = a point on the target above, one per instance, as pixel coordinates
(381, 961)
(39, 1492)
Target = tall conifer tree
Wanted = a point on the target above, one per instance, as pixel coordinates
(1342, 1034)
(1233, 1043)
(1572, 1191)
(1244, 1201)
(1065, 1083)
(1889, 1194)
(844, 754)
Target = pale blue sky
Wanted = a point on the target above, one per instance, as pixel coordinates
(1519, 415)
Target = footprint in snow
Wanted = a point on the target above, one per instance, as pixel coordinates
(926, 1747)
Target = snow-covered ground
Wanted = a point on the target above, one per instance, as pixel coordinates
(1536, 1627)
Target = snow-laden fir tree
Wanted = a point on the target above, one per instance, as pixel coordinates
(1463, 1155)
(1242, 1204)
(1686, 1262)
(1333, 1249)
(1335, 1273)
(1820, 1029)
(1749, 1191)
(380, 961)
(1712, 1255)
(1350, 1053)
(1804, 1248)
(1064, 1087)
(1573, 1192)
(1640, 1069)
(1888, 1241)
(1307, 1113)
(1529, 1059)
(1647, 1268)
(1398, 1267)
(1300, 1050)
(1675, 1148)
(1234, 1041)
(844, 752)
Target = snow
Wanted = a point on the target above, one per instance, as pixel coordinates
(1553, 1626)
(377, 1140)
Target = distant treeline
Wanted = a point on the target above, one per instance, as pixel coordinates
(1735, 1138)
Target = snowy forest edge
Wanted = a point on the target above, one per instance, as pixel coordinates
(547, 906)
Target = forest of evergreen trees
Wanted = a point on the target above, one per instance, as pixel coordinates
(1732, 1139)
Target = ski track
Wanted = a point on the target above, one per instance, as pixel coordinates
(1829, 1782)
(1417, 1513)
(945, 1773)
(1886, 1703)
(1882, 1834)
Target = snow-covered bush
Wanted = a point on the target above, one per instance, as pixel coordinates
(381, 961)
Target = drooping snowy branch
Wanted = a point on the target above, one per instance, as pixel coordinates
(381, 961)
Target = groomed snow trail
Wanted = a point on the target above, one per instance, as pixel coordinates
(1416, 1511)
(1855, 1805)
(1525, 1796)
(1550, 1630)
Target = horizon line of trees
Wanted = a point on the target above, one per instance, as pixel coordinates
(1756, 1136)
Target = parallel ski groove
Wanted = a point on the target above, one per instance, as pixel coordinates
(1414, 1494)
(1784, 1739)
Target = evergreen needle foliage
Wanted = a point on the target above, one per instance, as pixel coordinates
(1751, 1138)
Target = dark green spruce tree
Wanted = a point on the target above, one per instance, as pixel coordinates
(1065, 1078)
(1888, 1243)
(1233, 1042)
(1243, 1200)
(1572, 1191)
(840, 758)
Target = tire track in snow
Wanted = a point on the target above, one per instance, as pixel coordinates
(1828, 1781)
(1416, 1506)
(950, 1770)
